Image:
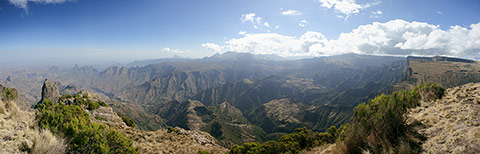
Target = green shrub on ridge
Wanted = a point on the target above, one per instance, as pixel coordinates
(84, 136)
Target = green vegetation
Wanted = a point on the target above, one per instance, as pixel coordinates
(216, 130)
(379, 125)
(203, 152)
(84, 136)
(291, 143)
(171, 130)
(9, 93)
(128, 121)
(82, 100)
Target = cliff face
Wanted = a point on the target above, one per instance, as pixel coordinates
(452, 124)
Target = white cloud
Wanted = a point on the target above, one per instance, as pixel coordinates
(395, 37)
(272, 43)
(212, 46)
(440, 12)
(276, 27)
(346, 7)
(248, 17)
(376, 14)
(174, 51)
(399, 37)
(302, 23)
(291, 13)
(24, 3)
(254, 19)
(266, 24)
(242, 32)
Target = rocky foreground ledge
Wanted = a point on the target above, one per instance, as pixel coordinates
(451, 124)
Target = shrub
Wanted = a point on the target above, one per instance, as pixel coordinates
(93, 105)
(102, 103)
(72, 122)
(9, 94)
(128, 121)
(290, 143)
(203, 152)
(379, 125)
(171, 129)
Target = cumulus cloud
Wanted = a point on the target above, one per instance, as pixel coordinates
(242, 32)
(24, 3)
(174, 51)
(291, 13)
(345, 7)
(212, 46)
(266, 24)
(395, 37)
(272, 43)
(251, 17)
(440, 12)
(302, 23)
(256, 21)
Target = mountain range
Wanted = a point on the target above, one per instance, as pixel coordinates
(241, 97)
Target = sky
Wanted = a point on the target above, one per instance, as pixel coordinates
(91, 31)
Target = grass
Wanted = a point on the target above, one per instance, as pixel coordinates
(45, 142)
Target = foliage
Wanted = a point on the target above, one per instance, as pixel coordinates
(84, 136)
(9, 93)
(171, 129)
(379, 125)
(128, 121)
(216, 130)
(290, 143)
(82, 100)
(203, 152)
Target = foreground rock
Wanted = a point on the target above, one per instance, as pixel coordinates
(452, 124)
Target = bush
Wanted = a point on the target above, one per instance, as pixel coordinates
(72, 122)
(379, 125)
(203, 152)
(171, 130)
(9, 94)
(128, 121)
(290, 143)
(93, 105)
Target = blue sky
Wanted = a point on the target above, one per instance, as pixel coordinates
(125, 30)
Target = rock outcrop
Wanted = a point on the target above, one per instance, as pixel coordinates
(50, 91)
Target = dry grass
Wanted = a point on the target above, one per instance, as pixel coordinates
(452, 124)
(45, 142)
(19, 135)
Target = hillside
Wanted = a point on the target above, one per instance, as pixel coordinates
(19, 132)
(28, 132)
(452, 124)
(446, 71)
(329, 86)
